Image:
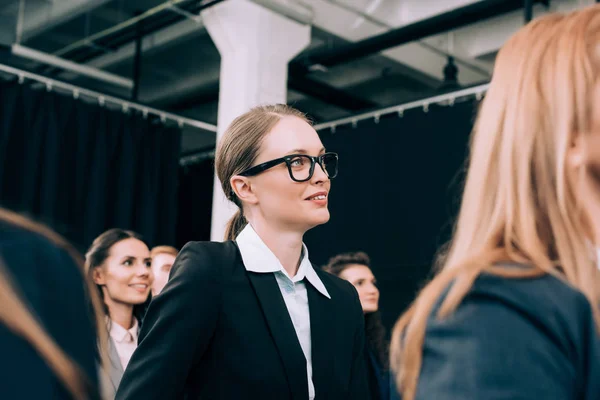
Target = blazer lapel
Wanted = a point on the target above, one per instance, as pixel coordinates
(116, 369)
(282, 331)
(322, 333)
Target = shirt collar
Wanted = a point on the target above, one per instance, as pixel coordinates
(120, 334)
(259, 258)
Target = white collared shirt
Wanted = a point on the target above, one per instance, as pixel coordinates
(258, 257)
(126, 340)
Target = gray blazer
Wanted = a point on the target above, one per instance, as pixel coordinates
(111, 379)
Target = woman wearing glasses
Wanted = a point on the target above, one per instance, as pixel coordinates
(251, 318)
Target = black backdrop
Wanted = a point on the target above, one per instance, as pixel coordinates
(81, 168)
(195, 201)
(396, 195)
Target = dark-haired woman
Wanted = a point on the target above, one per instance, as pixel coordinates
(356, 269)
(251, 318)
(119, 264)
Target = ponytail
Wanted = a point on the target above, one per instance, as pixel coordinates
(235, 225)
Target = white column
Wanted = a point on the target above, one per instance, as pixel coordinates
(256, 45)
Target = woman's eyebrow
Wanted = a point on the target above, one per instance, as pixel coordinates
(304, 151)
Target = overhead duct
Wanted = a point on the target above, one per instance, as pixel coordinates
(448, 21)
(67, 65)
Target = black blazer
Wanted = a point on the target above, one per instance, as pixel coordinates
(517, 339)
(54, 288)
(218, 331)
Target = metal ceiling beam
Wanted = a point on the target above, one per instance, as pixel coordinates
(124, 34)
(48, 15)
(168, 35)
(209, 94)
(162, 35)
(308, 87)
(67, 65)
(485, 39)
(110, 41)
(448, 21)
(328, 94)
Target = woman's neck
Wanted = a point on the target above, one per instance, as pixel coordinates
(120, 313)
(286, 245)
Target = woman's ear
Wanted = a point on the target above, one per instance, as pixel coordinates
(242, 187)
(98, 276)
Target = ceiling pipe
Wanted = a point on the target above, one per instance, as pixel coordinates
(448, 21)
(130, 23)
(119, 35)
(67, 65)
(381, 24)
(54, 60)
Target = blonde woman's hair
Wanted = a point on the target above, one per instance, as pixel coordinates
(519, 204)
(239, 147)
(17, 317)
(163, 250)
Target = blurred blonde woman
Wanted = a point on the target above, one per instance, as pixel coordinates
(514, 311)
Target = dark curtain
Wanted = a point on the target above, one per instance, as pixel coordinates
(195, 202)
(396, 196)
(82, 169)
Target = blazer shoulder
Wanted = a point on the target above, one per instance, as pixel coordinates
(201, 258)
(211, 250)
(506, 328)
(338, 285)
(556, 308)
(544, 297)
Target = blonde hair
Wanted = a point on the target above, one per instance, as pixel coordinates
(16, 315)
(519, 204)
(163, 250)
(239, 147)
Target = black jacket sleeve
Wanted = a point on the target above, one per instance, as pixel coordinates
(177, 329)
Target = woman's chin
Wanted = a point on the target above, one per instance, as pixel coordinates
(319, 218)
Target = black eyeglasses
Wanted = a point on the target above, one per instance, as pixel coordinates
(300, 166)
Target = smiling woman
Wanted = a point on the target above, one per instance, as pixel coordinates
(119, 264)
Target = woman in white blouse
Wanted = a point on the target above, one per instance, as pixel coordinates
(119, 263)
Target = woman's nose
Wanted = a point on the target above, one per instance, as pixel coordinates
(143, 270)
(372, 289)
(319, 174)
